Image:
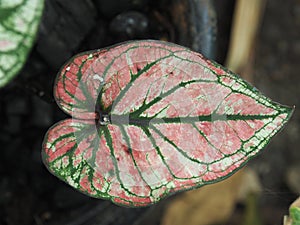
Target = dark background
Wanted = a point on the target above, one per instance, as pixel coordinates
(29, 194)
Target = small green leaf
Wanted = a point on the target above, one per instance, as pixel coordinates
(295, 215)
(19, 20)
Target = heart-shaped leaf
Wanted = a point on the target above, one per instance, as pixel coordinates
(151, 118)
(19, 20)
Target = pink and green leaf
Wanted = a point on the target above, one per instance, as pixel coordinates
(151, 118)
(19, 20)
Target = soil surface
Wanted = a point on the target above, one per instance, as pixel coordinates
(29, 194)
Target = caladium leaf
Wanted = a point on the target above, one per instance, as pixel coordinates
(150, 118)
(19, 20)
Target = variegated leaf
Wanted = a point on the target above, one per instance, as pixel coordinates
(19, 20)
(151, 118)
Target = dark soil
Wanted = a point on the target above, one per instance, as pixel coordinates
(29, 194)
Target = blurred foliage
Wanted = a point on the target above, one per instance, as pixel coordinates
(19, 20)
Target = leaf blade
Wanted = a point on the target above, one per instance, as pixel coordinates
(175, 120)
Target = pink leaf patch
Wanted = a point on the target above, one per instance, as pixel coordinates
(151, 118)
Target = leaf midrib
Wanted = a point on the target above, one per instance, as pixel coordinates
(128, 119)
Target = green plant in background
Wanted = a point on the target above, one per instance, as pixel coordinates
(19, 20)
(294, 217)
